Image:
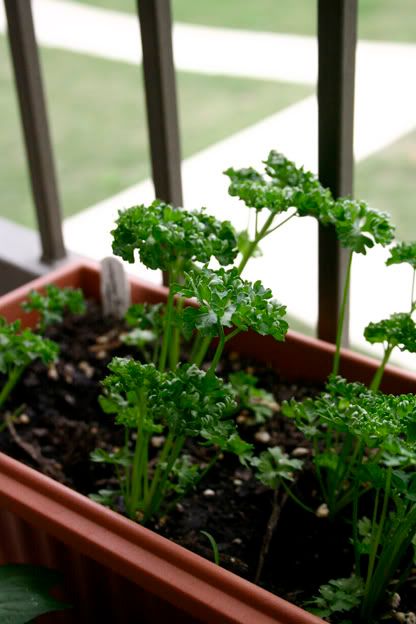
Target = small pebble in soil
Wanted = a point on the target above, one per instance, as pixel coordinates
(53, 372)
(69, 398)
(69, 373)
(24, 419)
(300, 451)
(241, 418)
(180, 508)
(86, 369)
(322, 511)
(237, 482)
(263, 437)
(101, 355)
(157, 441)
(405, 618)
(208, 493)
(395, 600)
(237, 540)
(94, 430)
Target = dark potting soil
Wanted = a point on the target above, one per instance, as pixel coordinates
(60, 423)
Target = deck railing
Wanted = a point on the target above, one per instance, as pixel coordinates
(337, 27)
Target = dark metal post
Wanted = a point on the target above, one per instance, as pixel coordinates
(161, 102)
(35, 126)
(337, 38)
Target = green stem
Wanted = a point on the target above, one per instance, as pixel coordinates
(218, 352)
(136, 492)
(174, 352)
(158, 497)
(375, 384)
(12, 380)
(296, 499)
(253, 245)
(413, 291)
(280, 224)
(202, 351)
(376, 540)
(168, 326)
(341, 318)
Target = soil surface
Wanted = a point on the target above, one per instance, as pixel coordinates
(60, 423)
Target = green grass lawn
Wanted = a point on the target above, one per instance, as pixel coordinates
(388, 181)
(97, 115)
(378, 19)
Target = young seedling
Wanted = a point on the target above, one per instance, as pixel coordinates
(284, 187)
(251, 398)
(214, 546)
(274, 469)
(52, 305)
(18, 348)
(172, 240)
(183, 403)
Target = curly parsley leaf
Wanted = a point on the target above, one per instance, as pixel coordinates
(399, 330)
(226, 300)
(19, 347)
(403, 252)
(162, 235)
(360, 227)
(52, 305)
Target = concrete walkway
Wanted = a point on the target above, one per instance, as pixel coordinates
(385, 111)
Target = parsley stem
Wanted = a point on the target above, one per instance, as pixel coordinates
(252, 246)
(413, 292)
(375, 384)
(168, 326)
(218, 352)
(202, 351)
(341, 318)
(375, 541)
(12, 380)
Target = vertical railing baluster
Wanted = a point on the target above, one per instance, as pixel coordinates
(33, 113)
(337, 37)
(161, 99)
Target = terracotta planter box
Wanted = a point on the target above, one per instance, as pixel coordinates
(116, 570)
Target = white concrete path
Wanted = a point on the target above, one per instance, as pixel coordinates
(385, 111)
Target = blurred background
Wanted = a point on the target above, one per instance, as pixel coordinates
(246, 79)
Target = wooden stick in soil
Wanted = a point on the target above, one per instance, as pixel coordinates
(270, 529)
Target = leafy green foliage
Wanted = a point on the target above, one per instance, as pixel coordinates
(260, 402)
(339, 596)
(351, 408)
(185, 475)
(226, 300)
(146, 316)
(186, 402)
(19, 347)
(52, 305)
(164, 235)
(285, 186)
(360, 227)
(399, 330)
(274, 465)
(25, 593)
(146, 322)
(403, 252)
